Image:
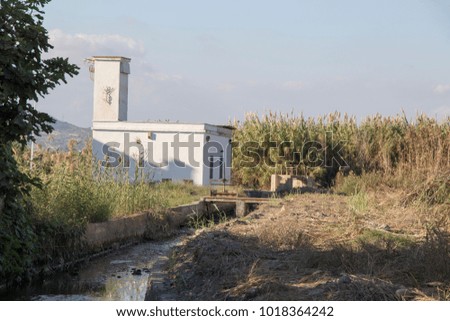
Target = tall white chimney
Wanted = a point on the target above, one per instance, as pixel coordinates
(110, 87)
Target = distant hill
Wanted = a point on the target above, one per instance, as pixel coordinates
(63, 132)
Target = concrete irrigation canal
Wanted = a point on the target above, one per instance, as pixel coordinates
(129, 268)
(133, 272)
(124, 275)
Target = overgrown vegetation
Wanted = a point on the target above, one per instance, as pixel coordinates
(76, 190)
(410, 155)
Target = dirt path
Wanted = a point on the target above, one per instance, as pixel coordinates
(314, 247)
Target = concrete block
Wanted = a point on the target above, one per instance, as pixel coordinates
(241, 209)
(274, 182)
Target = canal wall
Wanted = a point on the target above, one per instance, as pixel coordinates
(146, 225)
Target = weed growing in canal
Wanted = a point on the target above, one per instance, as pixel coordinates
(207, 220)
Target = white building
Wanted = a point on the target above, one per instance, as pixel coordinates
(200, 153)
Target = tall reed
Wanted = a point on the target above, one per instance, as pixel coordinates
(406, 151)
(77, 190)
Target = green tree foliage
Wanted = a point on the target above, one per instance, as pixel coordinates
(25, 76)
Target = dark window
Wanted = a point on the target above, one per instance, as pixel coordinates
(211, 168)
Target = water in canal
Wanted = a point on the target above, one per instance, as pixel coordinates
(122, 275)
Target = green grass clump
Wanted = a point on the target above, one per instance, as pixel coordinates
(349, 185)
(209, 220)
(359, 202)
(384, 239)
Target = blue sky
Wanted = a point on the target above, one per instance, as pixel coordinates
(212, 61)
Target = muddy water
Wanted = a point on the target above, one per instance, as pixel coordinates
(122, 275)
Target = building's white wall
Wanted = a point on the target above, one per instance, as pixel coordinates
(123, 96)
(155, 152)
(110, 72)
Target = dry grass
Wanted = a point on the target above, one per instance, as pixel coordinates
(314, 247)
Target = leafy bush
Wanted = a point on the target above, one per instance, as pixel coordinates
(25, 76)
